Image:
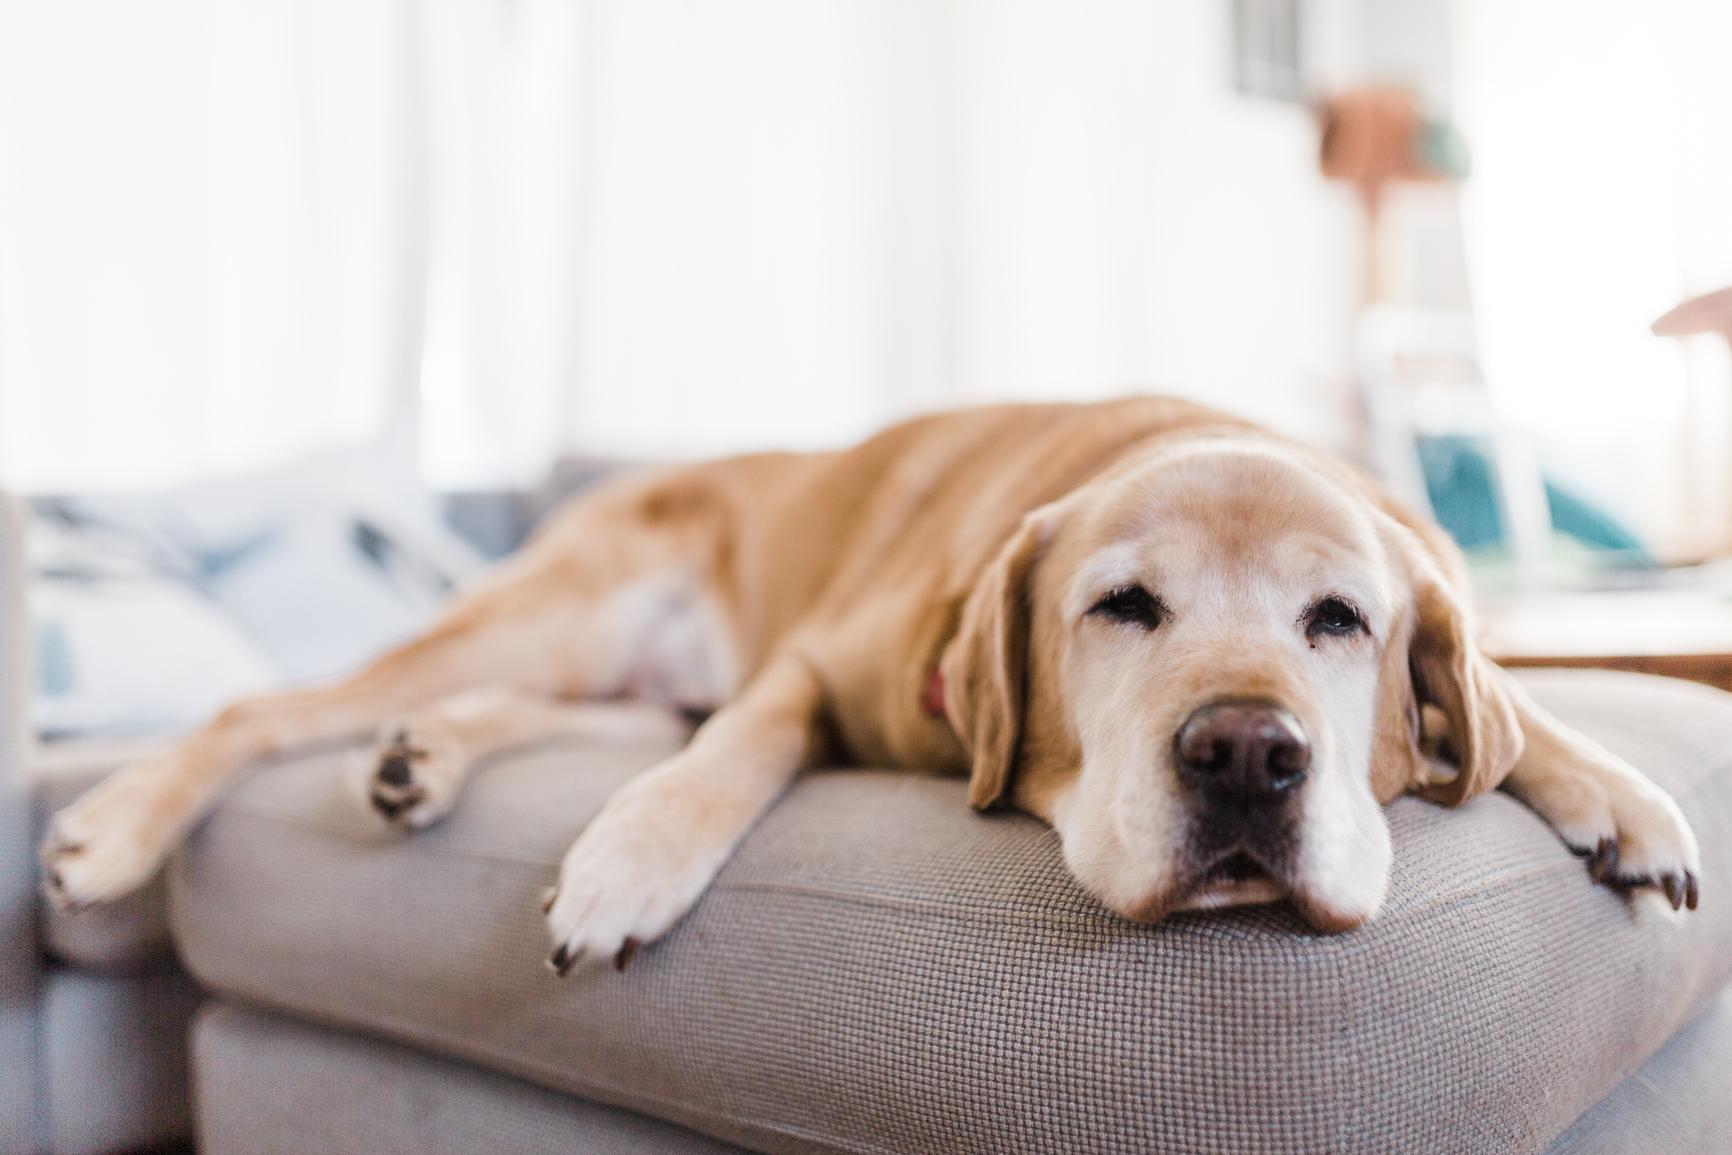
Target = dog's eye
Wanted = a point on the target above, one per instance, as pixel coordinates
(1132, 605)
(1333, 617)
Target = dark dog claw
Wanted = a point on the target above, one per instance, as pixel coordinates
(1674, 888)
(564, 958)
(1691, 890)
(1603, 862)
(626, 953)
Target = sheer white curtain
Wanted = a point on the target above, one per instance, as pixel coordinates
(637, 226)
(784, 222)
(209, 234)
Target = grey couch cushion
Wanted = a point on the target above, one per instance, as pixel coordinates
(270, 1084)
(1676, 1102)
(273, 1086)
(879, 969)
(19, 1090)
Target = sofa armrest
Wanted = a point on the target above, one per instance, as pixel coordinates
(18, 954)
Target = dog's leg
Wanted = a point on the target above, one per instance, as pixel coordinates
(520, 628)
(1631, 831)
(653, 849)
(424, 756)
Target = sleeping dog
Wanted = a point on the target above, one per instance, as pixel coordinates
(1206, 655)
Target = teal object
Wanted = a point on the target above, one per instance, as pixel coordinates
(53, 659)
(1444, 150)
(1458, 479)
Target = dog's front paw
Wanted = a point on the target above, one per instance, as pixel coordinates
(627, 879)
(108, 843)
(1633, 836)
(416, 771)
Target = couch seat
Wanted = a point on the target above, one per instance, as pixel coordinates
(880, 969)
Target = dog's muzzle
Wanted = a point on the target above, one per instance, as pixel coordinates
(1243, 762)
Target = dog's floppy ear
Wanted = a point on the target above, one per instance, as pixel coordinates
(1484, 736)
(985, 666)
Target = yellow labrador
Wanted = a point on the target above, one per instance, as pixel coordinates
(1206, 655)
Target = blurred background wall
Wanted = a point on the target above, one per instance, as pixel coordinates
(468, 236)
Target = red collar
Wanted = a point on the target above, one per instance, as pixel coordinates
(932, 696)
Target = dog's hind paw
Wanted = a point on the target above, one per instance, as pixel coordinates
(416, 771)
(106, 844)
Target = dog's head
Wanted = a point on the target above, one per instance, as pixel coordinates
(1208, 671)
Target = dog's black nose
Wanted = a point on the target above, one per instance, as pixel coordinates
(1244, 748)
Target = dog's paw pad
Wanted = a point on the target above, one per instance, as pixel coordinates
(396, 765)
(416, 771)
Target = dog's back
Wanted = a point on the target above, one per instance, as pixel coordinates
(858, 559)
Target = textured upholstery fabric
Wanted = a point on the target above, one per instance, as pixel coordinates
(271, 1086)
(114, 1060)
(1675, 1103)
(879, 969)
(131, 934)
(18, 1090)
